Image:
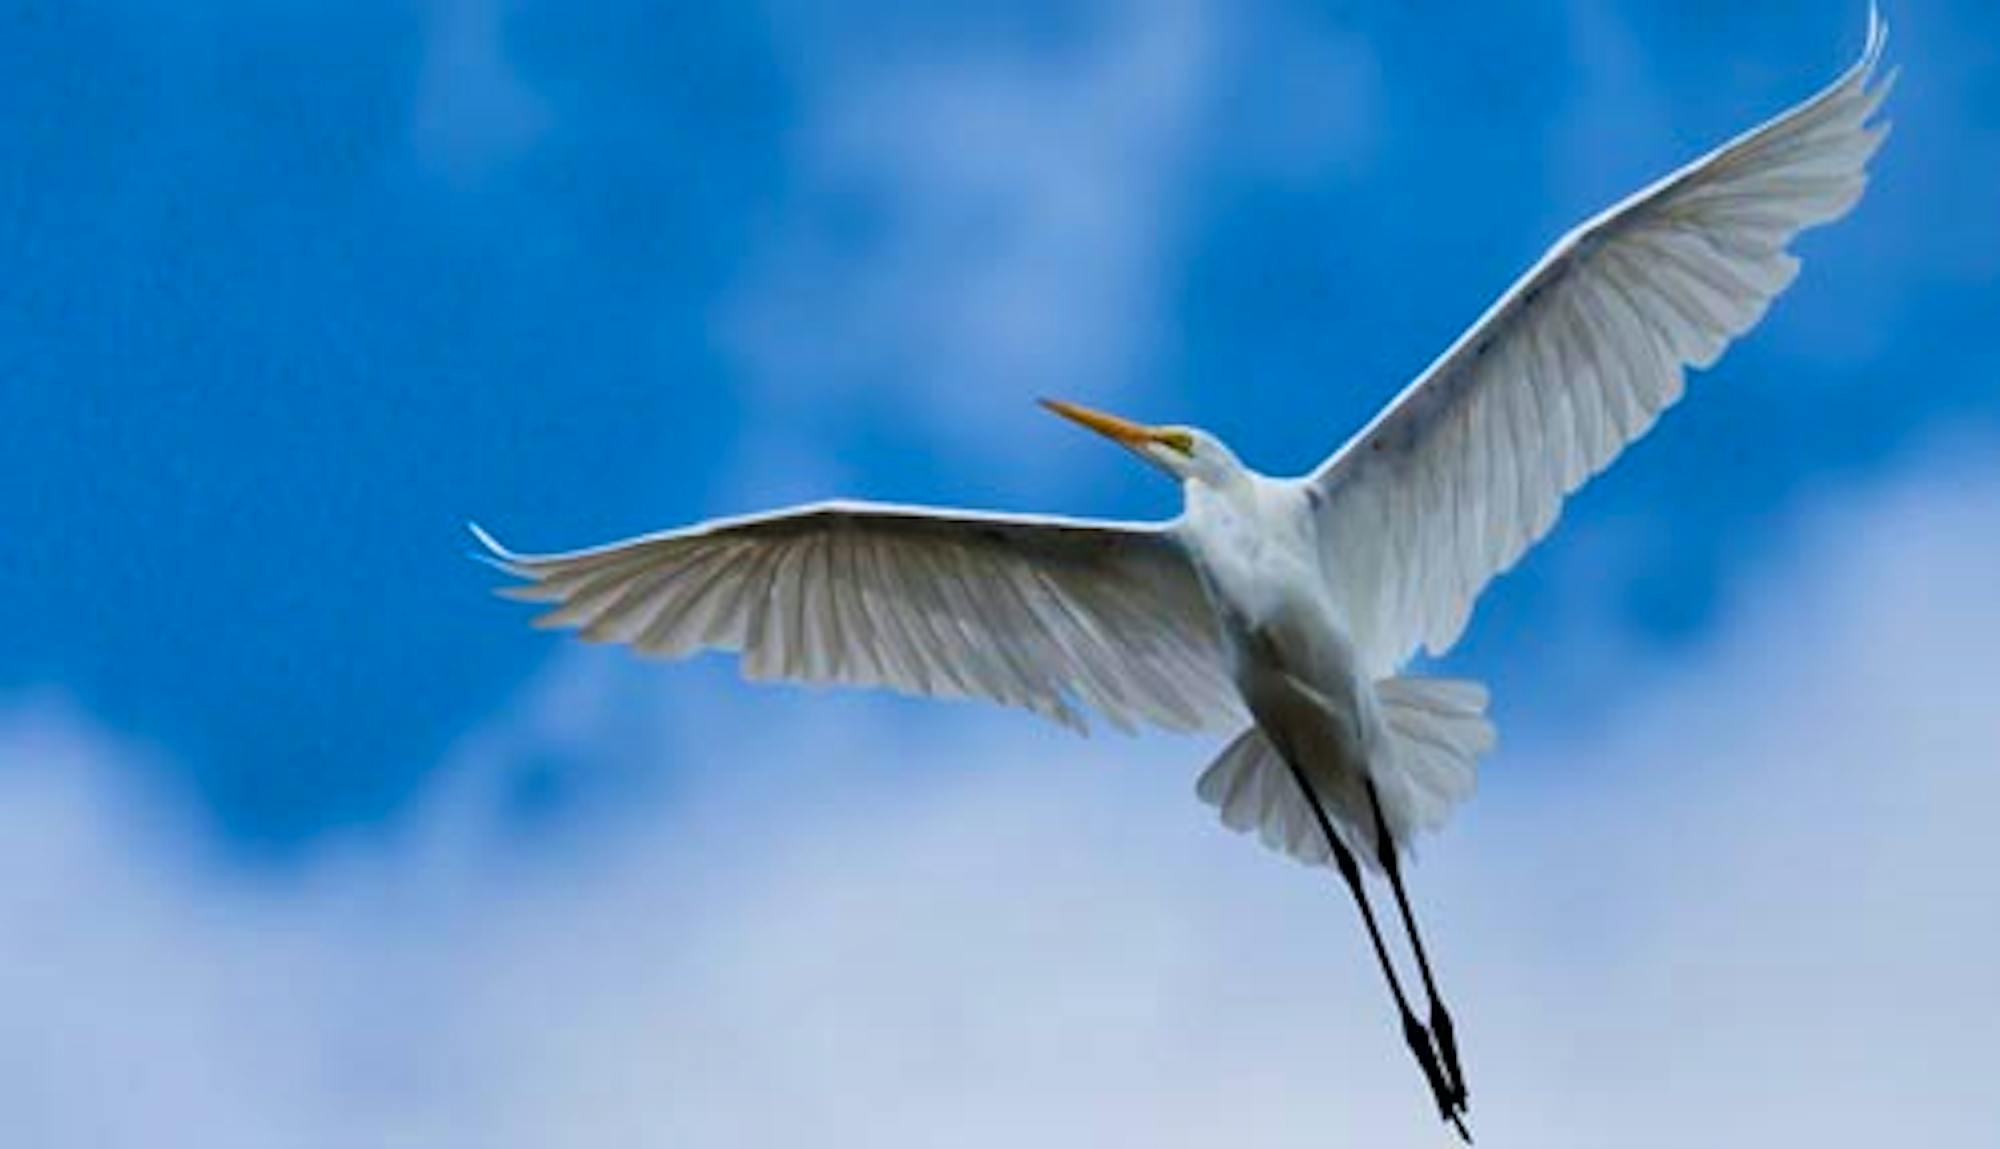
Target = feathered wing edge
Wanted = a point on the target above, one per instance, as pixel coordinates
(1057, 616)
(1469, 466)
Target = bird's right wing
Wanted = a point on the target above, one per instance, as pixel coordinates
(1042, 613)
(1466, 468)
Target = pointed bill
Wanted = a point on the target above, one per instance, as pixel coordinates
(1110, 426)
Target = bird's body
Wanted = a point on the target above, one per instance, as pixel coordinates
(1285, 638)
(1282, 631)
(1279, 611)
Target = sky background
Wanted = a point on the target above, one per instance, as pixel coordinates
(306, 840)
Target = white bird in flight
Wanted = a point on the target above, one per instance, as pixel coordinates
(1280, 611)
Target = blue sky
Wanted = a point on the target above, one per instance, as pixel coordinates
(294, 289)
(299, 288)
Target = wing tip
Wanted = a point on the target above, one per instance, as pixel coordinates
(1877, 40)
(493, 553)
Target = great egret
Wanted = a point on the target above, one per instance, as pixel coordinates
(1279, 610)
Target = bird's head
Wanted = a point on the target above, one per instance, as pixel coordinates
(1186, 453)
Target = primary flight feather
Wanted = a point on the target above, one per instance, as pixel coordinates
(1280, 610)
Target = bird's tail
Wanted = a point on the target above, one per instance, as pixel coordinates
(1438, 731)
(1255, 792)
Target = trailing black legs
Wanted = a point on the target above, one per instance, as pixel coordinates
(1441, 1028)
(1444, 1083)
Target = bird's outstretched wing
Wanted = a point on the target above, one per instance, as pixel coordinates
(1043, 613)
(1469, 466)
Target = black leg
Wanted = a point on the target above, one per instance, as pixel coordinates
(1414, 1034)
(1441, 1028)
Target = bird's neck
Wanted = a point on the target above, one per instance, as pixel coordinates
(1236, 486)
(1214, 505)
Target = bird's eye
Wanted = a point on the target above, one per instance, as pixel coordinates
(1181, 441)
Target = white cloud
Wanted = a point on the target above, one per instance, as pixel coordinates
(1759, 910)
(971, 231)
(975, 228)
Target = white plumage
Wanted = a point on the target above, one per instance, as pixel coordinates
(1469, 466)
(1406, 523)
(1054, 615)
(1279, 610)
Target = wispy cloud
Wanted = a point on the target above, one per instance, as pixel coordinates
(969, 232)
(472, 110)
(1751, 908)
(970, 228)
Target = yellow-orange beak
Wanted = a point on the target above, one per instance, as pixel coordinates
(1110, 426)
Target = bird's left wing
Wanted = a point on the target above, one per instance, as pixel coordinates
(1043, 613)
(1466, 468)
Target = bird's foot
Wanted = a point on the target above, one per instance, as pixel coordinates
(1419, 1041)
(1447, 1043)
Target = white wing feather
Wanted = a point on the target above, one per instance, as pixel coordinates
(1469, 466)
(1043, 613)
